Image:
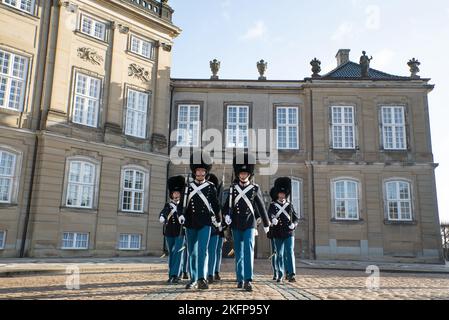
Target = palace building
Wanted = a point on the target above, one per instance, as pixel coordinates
(87, 108)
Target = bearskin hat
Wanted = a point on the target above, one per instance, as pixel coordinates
(200, 159)
(283, 184)
(244, 162)
(176, 183)
(214, 179)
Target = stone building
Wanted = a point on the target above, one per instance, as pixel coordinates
(87, 108)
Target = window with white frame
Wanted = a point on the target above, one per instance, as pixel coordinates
(93, 27)
(188, 125)
(237, 127)
(393, 128)
(22, 5)
(133, 194)
(141, 47)
(13, 75)
(7, 170)
(287, 127)
(2, 239)
(75, 240)
(136, 113)
(343, 127)
(81, 184)
(399, 201)
(87, 100)
(296, 195)
(346, 200)
(130, 241)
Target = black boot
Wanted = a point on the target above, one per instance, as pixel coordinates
(192, 285)
(240, 285)
(248, 286)
(217, 276)
(185, 275)
(210, 279)
(202, 284)
(291, 278)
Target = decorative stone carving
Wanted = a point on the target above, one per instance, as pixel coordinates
(316, 67)
(159, 141)
(262, 67)
(364, 64)
(122, 28)
(71, 7)
(164, 1)
(414, 68)
(89, 54)
(138, 72)
(167, 47)
(214, 67)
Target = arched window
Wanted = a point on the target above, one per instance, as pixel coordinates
(346, 199)
(133, 189)
(398, 200)
(81, 183)
(7, 176)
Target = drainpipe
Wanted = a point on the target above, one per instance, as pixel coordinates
(36, 144)
(312, 179)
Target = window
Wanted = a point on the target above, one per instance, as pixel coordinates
(13, 74)
(22, 5)
(188, 125)
(346, 200)
(399, 203)
(141, 47)
(93, 28)
(287, 127)
(136, 113)
(296, 195)
(74, 240)
(2, 239)
(81, 184)
(237, 127)
(133, 190)
(343, 127)
(393, 128)
(129, 242)
(87, 100)
(7, 169)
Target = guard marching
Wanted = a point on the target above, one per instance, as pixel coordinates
(243, 207)
(284, 220)
(174, 237)
(201, 212)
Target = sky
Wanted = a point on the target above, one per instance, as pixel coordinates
(288, 34)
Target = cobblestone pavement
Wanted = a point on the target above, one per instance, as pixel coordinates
(147, 281)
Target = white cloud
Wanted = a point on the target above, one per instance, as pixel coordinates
(383, 59)
(344, 29)
(256, 31)
(372, 21)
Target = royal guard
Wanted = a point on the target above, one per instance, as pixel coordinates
(174, 237)
(214, 237)
(272, 245)
(201, 212)
(284, 220)
(243, 206)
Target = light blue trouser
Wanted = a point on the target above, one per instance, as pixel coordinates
(197, 243)
(244, 253)
(185, 260)
(219, 254)
(212, 254)
(174, 245)
(273, 259)
(285, 256)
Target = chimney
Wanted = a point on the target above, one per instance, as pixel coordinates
(342, 56)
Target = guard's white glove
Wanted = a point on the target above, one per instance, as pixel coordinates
(181, 219)
(292, 226)
(220, 228)
(214, 222)
(161, 219)
(274, 221)
(228, 220)
(266, 229)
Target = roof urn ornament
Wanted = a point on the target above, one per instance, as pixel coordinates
(364, 64)
(414, 68)
(316, 67)
(214, 67)
(262, 67)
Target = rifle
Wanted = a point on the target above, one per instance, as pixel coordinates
(186, 195)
